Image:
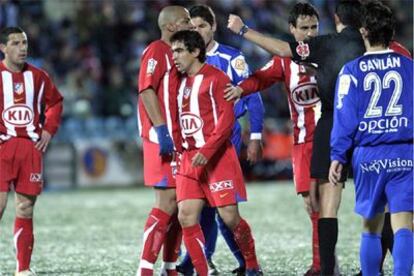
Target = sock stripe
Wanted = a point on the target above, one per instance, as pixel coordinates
(15, 240)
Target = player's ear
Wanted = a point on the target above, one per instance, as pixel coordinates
(171, 27)
(291, 28)
(214, 27)
(363, 32)
(195, 52)
(2, 47)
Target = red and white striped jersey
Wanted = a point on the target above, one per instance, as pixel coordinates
(303, 96)
(159, 73)
(22, 98)
(206, 118)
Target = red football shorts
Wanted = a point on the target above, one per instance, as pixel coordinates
(301, 159)
(220, 182)
(158, 171)
(21, 166)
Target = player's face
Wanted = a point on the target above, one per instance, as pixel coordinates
(183, 59)
(183, 21)
(306, 27)
(15, 50)
(204, 29)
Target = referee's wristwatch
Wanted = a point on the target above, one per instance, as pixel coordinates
(243, 30)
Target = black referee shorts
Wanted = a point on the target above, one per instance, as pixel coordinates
(321, 151)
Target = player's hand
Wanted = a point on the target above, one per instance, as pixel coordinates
(164, 140)
(235, 23)
(198, 160)
(254, 151)
(335, 172)
(306, 69)
(232, 92)
(44, 141)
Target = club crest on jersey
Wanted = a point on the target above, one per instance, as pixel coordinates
(18, 115)
(221, 185)
(303, 50)
(187, 92)
(306, 94)
(18, 88)
(190, 123)
(152, 63)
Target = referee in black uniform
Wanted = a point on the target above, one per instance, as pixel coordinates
(330, 53)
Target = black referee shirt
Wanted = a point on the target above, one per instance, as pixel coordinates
(330, 52)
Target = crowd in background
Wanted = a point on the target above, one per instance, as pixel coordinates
(92, 51)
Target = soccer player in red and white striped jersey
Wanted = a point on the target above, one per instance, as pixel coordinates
(304, 104)
(26, 94)
(209, 170)
(157, 87)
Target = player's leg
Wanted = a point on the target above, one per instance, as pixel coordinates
(312, 209)
(23, 230)
(242, 235)
(370, 248)
(156, 228)
(387, 237)
(228, 236)
(402, 225)
(188, 215)
(209, 227)
(171, 247)
(3, 203)
(330, 199)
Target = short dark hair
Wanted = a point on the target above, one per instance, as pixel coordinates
(203, 11)
(5, 32)
(192, 40)
(379, 21)
(349, 12)
(301, 9)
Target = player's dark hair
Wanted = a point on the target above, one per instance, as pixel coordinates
(302, 9)
(349, 12)
(192, 40)
(379, 21)
(203, 11)
(5, 32)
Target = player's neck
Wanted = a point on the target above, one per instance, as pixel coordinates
(12, 66)
(376, 48)
(166, 38)
(195, 68)
(210, 45)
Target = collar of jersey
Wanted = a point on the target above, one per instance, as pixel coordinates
(379, 52)
(213, 50)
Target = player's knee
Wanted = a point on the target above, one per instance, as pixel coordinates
(166, 201)
(24, 209)
(187, 217)
(230, 218)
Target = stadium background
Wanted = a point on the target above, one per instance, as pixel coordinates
(92, 49)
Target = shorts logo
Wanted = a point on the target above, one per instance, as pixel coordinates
(18, 88)
(190, 123)
(303, 50)
(305, 94)
(35, 177)
(152, 63)
(18, 115)
(387, 165)
(220, 186)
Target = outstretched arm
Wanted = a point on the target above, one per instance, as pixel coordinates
(273, 45)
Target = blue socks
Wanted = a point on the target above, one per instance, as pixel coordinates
(402, 252)
(209, 226)
(370, 254)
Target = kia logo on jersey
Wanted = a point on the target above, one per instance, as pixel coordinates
(190, 123)
(18, 115)
(305, 94)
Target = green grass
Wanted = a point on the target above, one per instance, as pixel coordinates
(98, 232)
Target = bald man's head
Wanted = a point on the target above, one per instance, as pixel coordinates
(173, 19)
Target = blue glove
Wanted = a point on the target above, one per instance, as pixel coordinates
(164, 140)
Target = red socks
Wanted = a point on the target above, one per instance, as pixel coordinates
(316, 262)
(194, 242)
(244, 239)
(154, 236)
(23, 242)
(171, 247)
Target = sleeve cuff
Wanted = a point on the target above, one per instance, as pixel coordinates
(256, 136)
